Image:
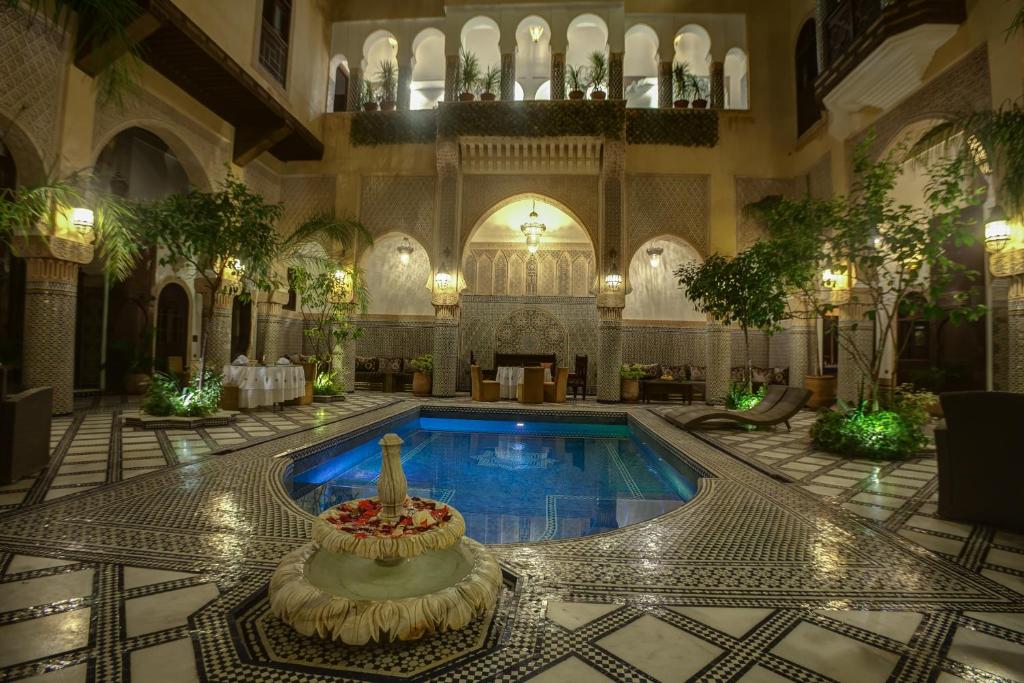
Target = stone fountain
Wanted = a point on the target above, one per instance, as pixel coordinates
(385, 568)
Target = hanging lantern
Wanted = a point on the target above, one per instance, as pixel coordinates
(533, 229)
(404, 251)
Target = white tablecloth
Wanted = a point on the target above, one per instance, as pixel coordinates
(265, 386)
(510, 378)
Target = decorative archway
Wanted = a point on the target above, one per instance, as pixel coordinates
(539, 196)
(173, 317)
(654, 294)
(183, 152)
(397, 288)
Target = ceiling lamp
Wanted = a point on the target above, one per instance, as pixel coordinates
(997, 231)
(533, 229)
(654, 256)
(404, 251)
(536, 31)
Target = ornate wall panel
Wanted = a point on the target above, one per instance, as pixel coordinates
(519, 278)
(759, 352)
(201, 152)
(263, 180)
(749, 190)
(965, 84)
(403, 203)
(32, 67)
(395, 339)
(304, 196)
(677, 205)
(665, 345)
(482, 192)
(1000, 334)
(819, 179)
(507, 323)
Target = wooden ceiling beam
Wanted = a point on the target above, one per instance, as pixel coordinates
(94, 58)
(250, 143)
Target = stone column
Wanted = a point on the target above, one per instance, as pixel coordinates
(803, 345)
(717, 85)
(558, 75)
(445, 348)
(717, 361)
(856, 339)
(218, 345)
(445, 296)
(609, 347)
(355, 89)
(615, 75)
(508, 77)
(1000, 288)
(821, 9)
(51, 298)
(270, 342)
(451, 75)
(1015, 329)
(665, 85)
(404, 79)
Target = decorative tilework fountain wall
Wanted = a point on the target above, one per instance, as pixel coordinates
(511, 270)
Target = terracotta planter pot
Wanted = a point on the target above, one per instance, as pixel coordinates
(577, 94)
(135, 383)
(421, 384)
(370, 106)
(388, 105)
(681, 104)
(630, 391)
(488, 97)
(598, 95)
(700, 104)
(466, 97)
(935, 410)
(823, 390)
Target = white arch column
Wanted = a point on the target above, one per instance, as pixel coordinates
(717, 85)
(405, 64)
(665, 85)
(355, 88)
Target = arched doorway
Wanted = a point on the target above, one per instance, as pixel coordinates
(172, 316)
(12, 281)
(241, 327)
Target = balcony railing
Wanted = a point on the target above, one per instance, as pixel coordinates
(853, 29)
(273, 51)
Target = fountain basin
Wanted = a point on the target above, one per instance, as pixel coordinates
(356, 600)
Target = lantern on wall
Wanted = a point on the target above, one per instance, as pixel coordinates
(82, 220)
(654, 256)
(404, 251)
(613, 279)
(444, 278)
(997, 231)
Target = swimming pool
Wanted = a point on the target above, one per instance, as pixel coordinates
(513, 478)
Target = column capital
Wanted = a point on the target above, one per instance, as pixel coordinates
(1007, 263)
(53, 247)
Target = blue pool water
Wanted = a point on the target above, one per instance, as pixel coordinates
(512, 480)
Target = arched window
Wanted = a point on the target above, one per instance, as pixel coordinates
(586, 35)
(640, 67)
(807, 110)
(428, 70)
(337, 84)
(533, 54)
(736, 79)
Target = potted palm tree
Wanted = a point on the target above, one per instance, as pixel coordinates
(422, 377)
(576, 81)
(631, 376)
(598, 75)
(698, 92)
(469, 76)
(680, 85)
(489, 83)
(387, 74)
(369, 97)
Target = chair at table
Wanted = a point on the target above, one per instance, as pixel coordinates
(578, 379)
(483, 389)
(554, 391)
(532, 388)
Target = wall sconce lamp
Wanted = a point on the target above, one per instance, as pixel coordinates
(831, 279)
(83, 220)
(536, 31)
(997, 231)
(444, 279)
(404, 251)
(613, 280)
(654, 256)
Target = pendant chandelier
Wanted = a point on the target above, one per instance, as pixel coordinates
(533, 229)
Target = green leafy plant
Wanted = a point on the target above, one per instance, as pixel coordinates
(698, 87)
(201, 397)
(742, 398)
(490, 79)
(368, 94)
(468, 76)
(326, 384)
(597, 73)
(633, 371)
(858, 433)
(681, 80)
(387, 76)
(576, 78)
(424, 364)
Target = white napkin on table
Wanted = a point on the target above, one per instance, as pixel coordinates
(283, 361)
(241, 360)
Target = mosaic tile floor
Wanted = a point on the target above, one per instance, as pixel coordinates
(157, 571)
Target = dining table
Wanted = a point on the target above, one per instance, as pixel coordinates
(509, 378)
(265, 385)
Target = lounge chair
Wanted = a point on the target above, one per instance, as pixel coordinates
(777, 407)
(483, 389)
(980, 454)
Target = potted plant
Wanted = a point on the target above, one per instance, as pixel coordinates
(631, 376)
(489, 82)
(369, 97)
(421, 379)
(598, 73)
(680, 85)
(469, 76)
(387, 74)
(576, 81)
(698, 91)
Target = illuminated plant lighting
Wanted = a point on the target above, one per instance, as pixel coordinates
(997, 231)
(404, 251)
(82, 219)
